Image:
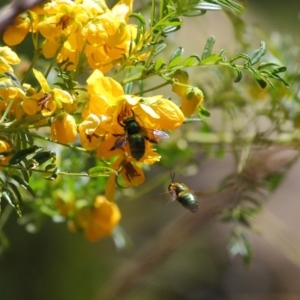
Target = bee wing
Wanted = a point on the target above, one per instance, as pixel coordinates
(160, 134)
(120, 142)
(154, 135)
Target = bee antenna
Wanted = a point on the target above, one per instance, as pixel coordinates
(172, 175)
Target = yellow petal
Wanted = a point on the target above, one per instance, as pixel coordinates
(122, 10)
(62, 96)
(10, 56)
(149, 110)
(30, 106)
(42, 81)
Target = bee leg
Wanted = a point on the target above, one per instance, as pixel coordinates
(153, 141)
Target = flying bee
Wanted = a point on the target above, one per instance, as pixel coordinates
(136, 136)
(181, 192)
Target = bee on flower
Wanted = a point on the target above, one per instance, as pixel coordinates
(134, 134)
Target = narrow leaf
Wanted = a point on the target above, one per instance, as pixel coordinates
(192, 61)
(22, 154)
(16, 192)
(177, 53)
(158, 64)
(100, 171)
(10, 198)
(208, 47)
(159, 48)
(257, 54)
(23, 184)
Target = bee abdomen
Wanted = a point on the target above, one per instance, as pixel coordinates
(137, 145)
(188, 200)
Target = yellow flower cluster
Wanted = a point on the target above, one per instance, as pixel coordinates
(80, 32)
(118, 128)
(126, 126)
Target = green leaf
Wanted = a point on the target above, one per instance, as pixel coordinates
(208, 47)
(171, 25)
(177, 53)
(212, 59)
(16, 192)
(192, 61)
(204, 111)
(23, 184)
(260, 81)
(257, 54)
(208, 6)
(266, 65)
(137, 70)
(193, 13)
(141, 21)
(241, 56)
(175, 62)
(239, 73)
(14, 79)
(159, 48)
(22, 154)
(100, 171)
(128, 87)
(10, 198)
(42, 157)
(55, 171)
(279, 70)
(158, 64)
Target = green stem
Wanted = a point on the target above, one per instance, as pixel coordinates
(153, 88)
(54, 60)
(80, 61)
(34, 59)
(65, 145)
(50, 172)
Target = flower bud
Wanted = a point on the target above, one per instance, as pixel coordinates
(191, 100)
(98, 221)
(181, 77)
(63, 128)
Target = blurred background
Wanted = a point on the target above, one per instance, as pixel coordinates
(56, 264)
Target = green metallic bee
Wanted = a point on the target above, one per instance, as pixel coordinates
(181, 192)
(136, 136)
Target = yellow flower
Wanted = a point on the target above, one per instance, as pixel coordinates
(90, 131)
(156, 112)
(99, 220)
(62, 27)
(30, 106)
(180, 83)
(64, 202)
(191, 101)
(16, 33)
(7, 58)
(127, 174)
(10, 94)
(122, 10)
(62, 18)
(131, 174)
(105, 93)
(50, 100)
(63, 128)
(5, 150)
